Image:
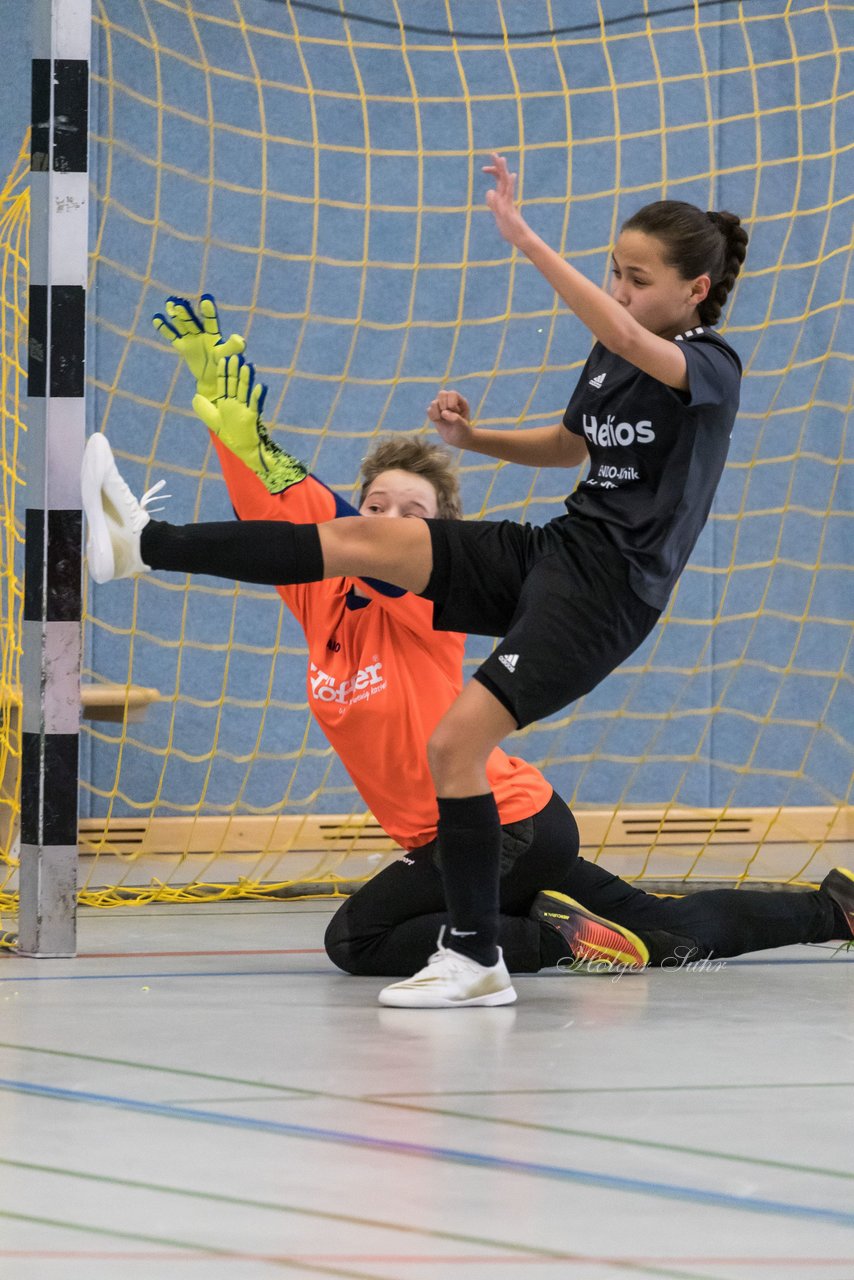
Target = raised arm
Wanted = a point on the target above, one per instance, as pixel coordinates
(606, 319)
(230, 401)
(264, 481)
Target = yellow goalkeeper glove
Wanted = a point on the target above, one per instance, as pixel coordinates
(198, 339)
(234, 416)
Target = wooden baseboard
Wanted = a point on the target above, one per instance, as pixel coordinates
(599, 828)
(658, 846)
(663, 848)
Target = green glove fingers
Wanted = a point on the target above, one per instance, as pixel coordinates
(197, 338)
(228, 399)
(256, 402)
(238, 378)
(225, 347)
(244, 383)
(230, 415)
(222, 379)
(234, 417)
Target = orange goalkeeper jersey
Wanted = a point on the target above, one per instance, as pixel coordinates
(379, 677)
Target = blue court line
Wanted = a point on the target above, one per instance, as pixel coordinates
(563, 1173)
(330, 972)
(749, 964)
(187, 973)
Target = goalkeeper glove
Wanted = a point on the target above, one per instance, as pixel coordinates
(234, 417)
(198, 340)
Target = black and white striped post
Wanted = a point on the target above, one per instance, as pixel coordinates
(59, 188)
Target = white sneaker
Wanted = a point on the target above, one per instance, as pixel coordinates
(114, 516)
(451, 980)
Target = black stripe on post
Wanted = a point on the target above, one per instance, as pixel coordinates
(61, 752)
(36, 383)
(40, 117)
(70, 115)
(30, 776)
(67, 340)
(33, 565)
(64, 537)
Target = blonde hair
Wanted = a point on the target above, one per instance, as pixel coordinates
(407, 453)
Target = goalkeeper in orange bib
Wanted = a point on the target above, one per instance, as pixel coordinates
(380, 679)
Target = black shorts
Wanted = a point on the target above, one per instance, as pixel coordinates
(558, 595)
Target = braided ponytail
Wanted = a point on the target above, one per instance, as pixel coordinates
(735, 250)
(697, 243)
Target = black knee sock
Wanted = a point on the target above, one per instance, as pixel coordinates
(470, 852)
(274, 552)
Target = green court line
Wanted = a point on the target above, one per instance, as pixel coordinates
(614, 1088)
(113, 1233)
(452, 1237)
(388, 1101)
(647, 1144)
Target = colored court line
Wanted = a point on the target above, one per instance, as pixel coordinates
(278, 973)
(593, 1088)
(452, 1155)
(206, 1250)
(127, 1255)
(516, 1252)
(186, 973)
(833, 958)
(389, 1100)
(296, 973)
(725, 963)
(646, 1144)
(155, 955)
(444, 1093)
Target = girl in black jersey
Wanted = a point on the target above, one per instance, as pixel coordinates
(653, 412)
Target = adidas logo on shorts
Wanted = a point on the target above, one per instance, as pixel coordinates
(509, 661)
(597, 381)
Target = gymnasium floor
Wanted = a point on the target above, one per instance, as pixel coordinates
(201, 1094)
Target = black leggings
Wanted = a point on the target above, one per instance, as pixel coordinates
(389, 927)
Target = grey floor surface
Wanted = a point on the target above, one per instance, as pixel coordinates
(201, 1094)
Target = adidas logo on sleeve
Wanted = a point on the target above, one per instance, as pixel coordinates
(509, 661)
(597, 381)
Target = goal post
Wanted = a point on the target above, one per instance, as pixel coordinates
(52, 603)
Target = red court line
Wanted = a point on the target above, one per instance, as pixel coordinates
(147, 955)
(341, 1258)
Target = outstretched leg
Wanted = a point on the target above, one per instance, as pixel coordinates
(124, 541)
(707, 923)
(277, 552)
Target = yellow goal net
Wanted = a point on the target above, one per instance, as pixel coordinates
(317, 167)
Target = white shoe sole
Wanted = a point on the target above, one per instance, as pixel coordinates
(402, 999)
(97, 460)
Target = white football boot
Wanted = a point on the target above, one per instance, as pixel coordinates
(114, 516)
(451, 980)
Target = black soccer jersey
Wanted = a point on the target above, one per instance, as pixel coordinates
(656, 454)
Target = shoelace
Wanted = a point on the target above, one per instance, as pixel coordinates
(151, 493)
(447, 955)
(140, 508)
(441, 950)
